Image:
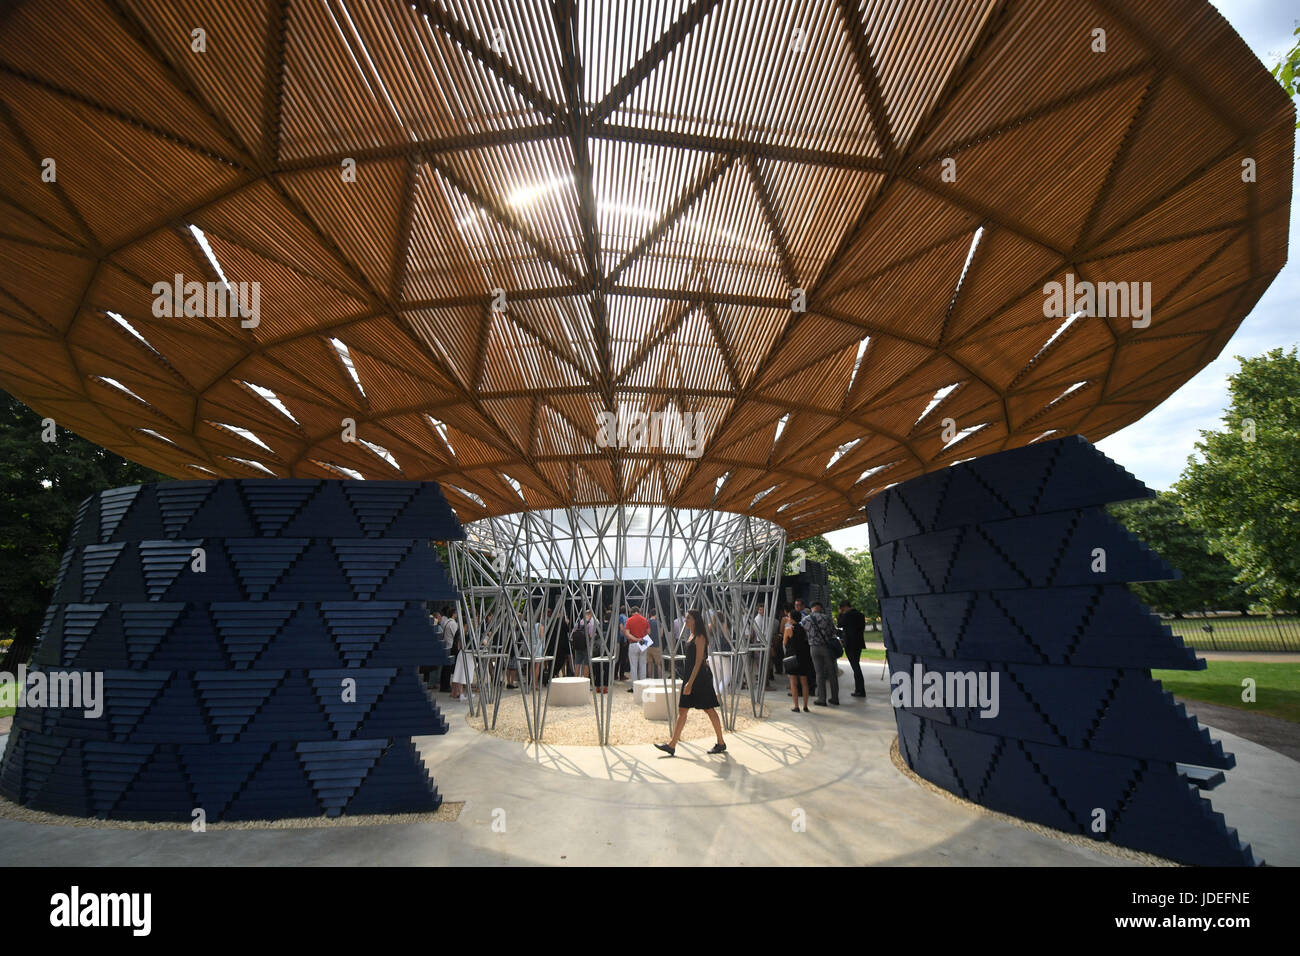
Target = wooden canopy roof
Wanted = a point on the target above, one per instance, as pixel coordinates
(647, 184)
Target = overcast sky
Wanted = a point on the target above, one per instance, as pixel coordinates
(1156, 448)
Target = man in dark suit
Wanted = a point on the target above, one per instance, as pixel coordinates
(854, 626)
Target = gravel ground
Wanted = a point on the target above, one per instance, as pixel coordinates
(447, 813)
(577, 725)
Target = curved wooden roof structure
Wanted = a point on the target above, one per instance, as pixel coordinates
(647, 192)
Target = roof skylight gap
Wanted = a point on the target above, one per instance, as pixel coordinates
(256, 465)
(201, 238)
(271, 399)
(939, 396)
(346, 357)
(382, 452)
(245, 434)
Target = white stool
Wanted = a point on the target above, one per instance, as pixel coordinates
(639, 687)
(570, 691)
(654, 704)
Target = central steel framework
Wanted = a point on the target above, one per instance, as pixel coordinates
(521, 576)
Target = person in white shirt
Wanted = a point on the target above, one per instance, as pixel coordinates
(463, 674)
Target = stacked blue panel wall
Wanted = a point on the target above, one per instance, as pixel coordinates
(993, 566)
(279, 679)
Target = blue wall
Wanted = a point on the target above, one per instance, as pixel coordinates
(225, 688)
(990, 566)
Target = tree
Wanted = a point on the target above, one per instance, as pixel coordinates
(1244, 495)
(1287, 70)
(1208, 580)
(863, 595)
(849, 575)
(41, 485)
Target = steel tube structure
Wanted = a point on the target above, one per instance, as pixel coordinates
(522, 575)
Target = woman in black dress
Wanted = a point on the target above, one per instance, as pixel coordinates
(795, 644)
(698, 691)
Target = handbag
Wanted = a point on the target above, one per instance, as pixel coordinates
(835, 647)
(790, 663)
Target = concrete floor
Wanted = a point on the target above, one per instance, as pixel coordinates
(632, 805)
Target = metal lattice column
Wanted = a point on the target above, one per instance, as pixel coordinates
(519, 574)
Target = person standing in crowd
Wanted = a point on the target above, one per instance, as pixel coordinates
(820, 631)
(698, 692)
(758, 636)
(854, 626)
(580, 646)
(462, 675)
(538, 648)
(624, 662)
(776, 650)
(637, 630)
(654, 655)
(589, 627)
(800, 611)
(797, 663)
(558, 647)
(432, 673)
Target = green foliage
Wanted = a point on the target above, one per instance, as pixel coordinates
(1287, 70)
(1208, 581)
(850, 574)
(41, 485)
(1245, 494)
(1277, 686)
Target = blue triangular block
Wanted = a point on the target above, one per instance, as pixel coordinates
(357, 628)
(262, 563)
(96, 562)
(363, 686)
(231, 699)
(146, 626)
(971, 755)
(110, 769)
(326, 515)
(376, 504)
(217, 772)
(278, 788)
(113, 505)
(368, 563)
(1016, 786)
(223, 514)
(399, 783)
(314, 576)
(275, 502)
(162, 563)
(337, 768)
(179, 501)
(174, 717)
(247, 628)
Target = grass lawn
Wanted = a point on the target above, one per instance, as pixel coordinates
(8, 696)
(1277, 686)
